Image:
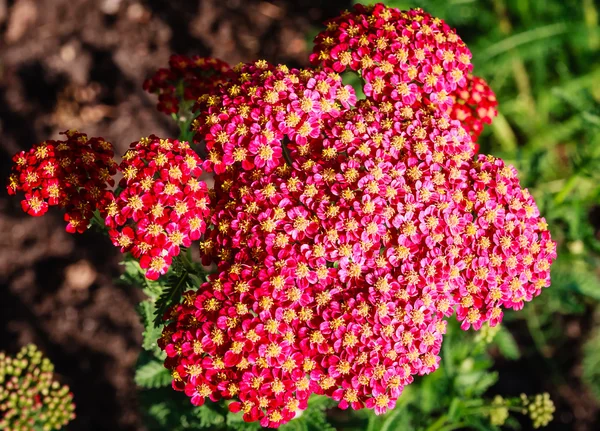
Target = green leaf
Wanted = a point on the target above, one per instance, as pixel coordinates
(486, 381)
(208, 415)
(397, 419)
(507, 344)
(134, 275)
(152, 375)
(575, 275)
(151, 333)
(171, 295)
(166, 409)
(159, 412)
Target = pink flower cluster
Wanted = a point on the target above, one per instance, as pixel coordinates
(186, 79)
(72, 174)
(162, 205)
(344, 233)
(342, 251)
(402, 56)
(244, 125)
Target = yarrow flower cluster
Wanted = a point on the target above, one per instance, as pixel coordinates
(162, 204)
(344, 233)
(72, 174)
(474, 105)
(244, 124)
(186, 79)
(402, 56)
(29, 396)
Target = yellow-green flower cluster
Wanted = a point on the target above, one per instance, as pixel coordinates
(540, 409)
(498, 411)
(29, 396)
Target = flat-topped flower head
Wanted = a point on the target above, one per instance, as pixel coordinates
(73, 174)
(341, 251)
(163, 204)
(402, 56)
(335, 276)
(264, 111)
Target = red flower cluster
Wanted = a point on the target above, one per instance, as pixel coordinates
(344, 233)
(185, 79)
(73, 174)
(341, 249)
(162, 205)
(407, 56)
(474, 105)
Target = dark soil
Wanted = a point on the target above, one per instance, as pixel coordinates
(80, 64)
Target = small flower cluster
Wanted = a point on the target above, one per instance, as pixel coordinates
(540, 409)
(498, 411)
(406, 57)
(506, 243)
(474, 105)
(186, 79)
(162, 205)
(29, 397)
(72, 174)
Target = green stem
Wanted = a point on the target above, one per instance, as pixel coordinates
(97, 220)
(186, 260)
(438, 424)
(566, 189)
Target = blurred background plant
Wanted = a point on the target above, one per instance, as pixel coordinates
(30, 398)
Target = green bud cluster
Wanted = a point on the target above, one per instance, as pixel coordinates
(499, 411)
(29, 397)
(540, 409)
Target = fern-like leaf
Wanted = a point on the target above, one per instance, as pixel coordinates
(171, 295)
(151, 332)
(152, 375)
